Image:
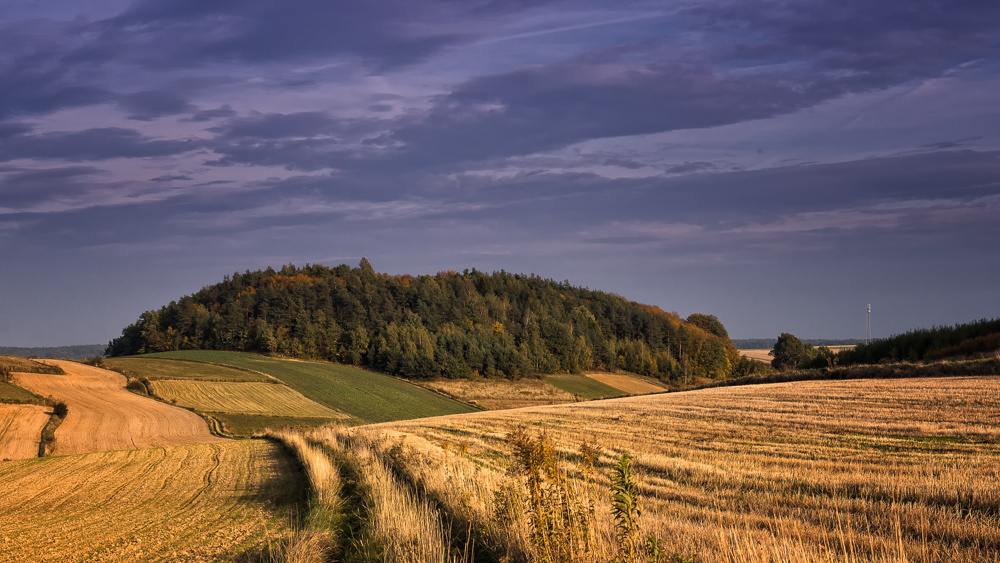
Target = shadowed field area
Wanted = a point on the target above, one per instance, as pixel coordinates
(214, 502)
(104, 416)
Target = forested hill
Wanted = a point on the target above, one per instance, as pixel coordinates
(450, 324)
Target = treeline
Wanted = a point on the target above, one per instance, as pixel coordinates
(765, 343)
(76, 352)
(928, 344)
(450, 324)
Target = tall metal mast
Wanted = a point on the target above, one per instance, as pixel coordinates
(868, 327)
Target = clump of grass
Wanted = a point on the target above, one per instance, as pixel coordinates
(96, 361)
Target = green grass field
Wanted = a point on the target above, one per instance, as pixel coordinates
(367, 396)
(10, 393)
(583, 386)
(162, 368)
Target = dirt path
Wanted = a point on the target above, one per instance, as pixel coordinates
(104, 416)
(20, 430)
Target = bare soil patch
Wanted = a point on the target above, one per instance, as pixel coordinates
(20, 430)
(104, 416)
(628, 384)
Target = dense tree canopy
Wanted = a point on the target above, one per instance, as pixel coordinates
(788, 351)
(450, 324)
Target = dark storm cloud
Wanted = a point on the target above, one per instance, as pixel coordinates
(279, 126)
(28, 88)
(387, 33)
(14, 129)
(945, 145)
(151, 104)
(209, 114)
(882, 41)
(690, 167)
(92, 144)
(171, 178)
(28, 186)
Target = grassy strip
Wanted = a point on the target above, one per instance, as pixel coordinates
(316, 540)
(12, 394)
(463, 491)
(24, 365)
(401, 525)
(367, 396)
(47, 442)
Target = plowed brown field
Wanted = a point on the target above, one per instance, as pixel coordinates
(20, 430)
(104, 416)
(213, 502)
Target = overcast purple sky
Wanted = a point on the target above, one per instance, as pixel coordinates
(777, 164)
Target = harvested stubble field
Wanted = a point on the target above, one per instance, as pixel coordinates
(247, 398)
(501, 394)
(104, 416)
(162, 368)
(865, 470)
(627, 383)
(761, 354)
(20, 430)
(215, 502)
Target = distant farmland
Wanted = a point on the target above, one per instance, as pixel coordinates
(246, 398)
(364, 395)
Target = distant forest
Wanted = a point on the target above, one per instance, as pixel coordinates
(77, 352)
(928, 344)
(449, 324)
(768, 343)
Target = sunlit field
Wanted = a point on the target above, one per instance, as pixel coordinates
(865, 470)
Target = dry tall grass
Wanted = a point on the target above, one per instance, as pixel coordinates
(316, 541)
(401, 525)
(876, 470)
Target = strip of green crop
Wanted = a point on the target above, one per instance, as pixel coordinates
(368, 396)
